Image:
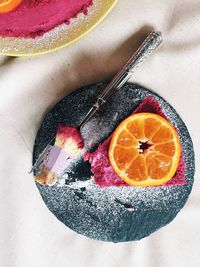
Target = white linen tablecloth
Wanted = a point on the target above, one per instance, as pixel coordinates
(29, 234)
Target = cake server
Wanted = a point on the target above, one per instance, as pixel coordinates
(153, 40)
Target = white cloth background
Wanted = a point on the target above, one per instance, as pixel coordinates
(29, 234)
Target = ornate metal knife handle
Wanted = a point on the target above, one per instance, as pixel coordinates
(153, 40)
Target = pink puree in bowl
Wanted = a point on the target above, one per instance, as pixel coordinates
(33, 18)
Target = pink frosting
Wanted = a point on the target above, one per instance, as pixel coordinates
(33, 18)
(105, 176)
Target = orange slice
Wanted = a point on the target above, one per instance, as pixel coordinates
(8, 5)
(145, 150)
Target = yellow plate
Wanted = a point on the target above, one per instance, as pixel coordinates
(59, 37)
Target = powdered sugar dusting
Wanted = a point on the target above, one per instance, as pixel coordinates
(114, 214)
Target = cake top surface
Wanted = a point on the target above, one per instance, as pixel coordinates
(108, 212)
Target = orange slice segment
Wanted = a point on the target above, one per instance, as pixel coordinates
(8, 5)
(137, 171)
(145, 150)
(124, 156)
(126, 139)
